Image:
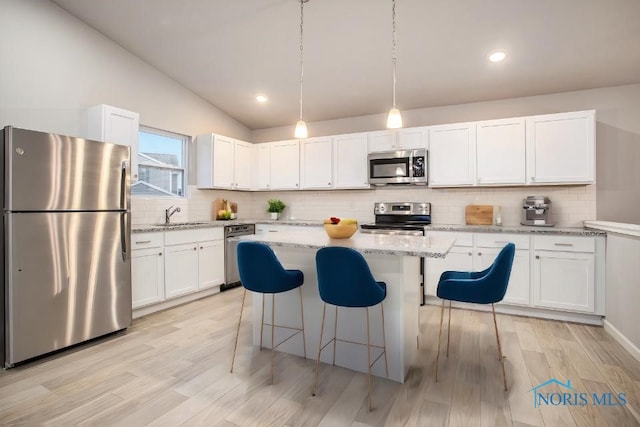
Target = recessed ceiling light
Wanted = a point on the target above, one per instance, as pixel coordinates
(261, 98)
(497, 55)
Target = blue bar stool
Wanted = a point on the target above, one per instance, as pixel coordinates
(481, 287)
(345, 280)
(260, 271)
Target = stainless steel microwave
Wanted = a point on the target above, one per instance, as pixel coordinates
(398, 167)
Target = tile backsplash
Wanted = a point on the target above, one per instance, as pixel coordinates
(570, 204)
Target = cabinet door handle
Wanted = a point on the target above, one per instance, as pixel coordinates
(563, 244)
(533, 178)
(479, 253)
(195, 248)
(328, 183)
(296, 184)
(201, 247)
(143, 241)
(470, 253)
(537, 256)
(159, 253)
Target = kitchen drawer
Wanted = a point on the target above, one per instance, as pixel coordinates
(179, 237)
(565, 243)
(146, 240)
(500, 240)
(462, 239)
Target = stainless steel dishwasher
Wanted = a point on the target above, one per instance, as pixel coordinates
(231, 275)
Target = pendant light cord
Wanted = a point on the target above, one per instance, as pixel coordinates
(302, 2)
(393, 49)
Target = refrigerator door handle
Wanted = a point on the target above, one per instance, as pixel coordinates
(124, 183)
(124, 235)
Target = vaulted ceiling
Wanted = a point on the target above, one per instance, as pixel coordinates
(229, 51)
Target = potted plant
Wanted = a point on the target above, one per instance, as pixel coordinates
(275, 207)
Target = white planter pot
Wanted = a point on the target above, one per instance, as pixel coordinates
(275, 215)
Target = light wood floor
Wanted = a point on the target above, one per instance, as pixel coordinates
(172, 368)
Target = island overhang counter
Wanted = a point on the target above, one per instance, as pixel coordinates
(392, 259)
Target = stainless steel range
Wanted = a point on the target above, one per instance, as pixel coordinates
(403, 218)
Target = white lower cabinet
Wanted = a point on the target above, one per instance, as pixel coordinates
(556, 273)
(210, 264)
(181, 269)
(176, 263)
(564, 273)
(147, 269)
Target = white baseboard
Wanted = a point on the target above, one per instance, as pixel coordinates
(148, 309)
(622, 340)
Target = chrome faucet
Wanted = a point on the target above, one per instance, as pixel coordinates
(168, 212)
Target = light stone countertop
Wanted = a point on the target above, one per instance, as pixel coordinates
(316, 238)
(521, 229)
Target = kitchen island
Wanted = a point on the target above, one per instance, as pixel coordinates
(394, 260)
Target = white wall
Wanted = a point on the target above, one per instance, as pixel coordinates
(54, 67)
(623, 292)
(617, 136)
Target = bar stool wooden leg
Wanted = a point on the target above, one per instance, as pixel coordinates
(439, 339)
(369, 359)
(449, 329)
(273, 328)
(500, 355)
(262, 324)
(335, 337)
(304, 341)
(315, 383)
(384, 343)
(235, 346)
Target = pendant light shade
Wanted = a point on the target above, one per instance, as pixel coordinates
(301, 129)
(394, 120)
(301, 126)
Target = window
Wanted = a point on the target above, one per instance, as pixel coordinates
(161, 164)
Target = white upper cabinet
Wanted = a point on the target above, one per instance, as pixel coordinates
(452, 160)
(223, 162)
(413, 138)
(384, 140)
(263, 169)
(350, 161)
(110, 124)
(500, 152)
(561, 148)
(242, 161)
(316, 163)
(285, 165)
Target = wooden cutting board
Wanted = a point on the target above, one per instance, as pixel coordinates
(220, 204)
(478, 214)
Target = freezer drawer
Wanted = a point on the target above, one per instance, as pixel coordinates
(67, 279)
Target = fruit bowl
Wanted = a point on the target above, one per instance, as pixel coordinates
(340, 229)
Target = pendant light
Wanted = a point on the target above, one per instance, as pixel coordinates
(394, 120)
(301, 127)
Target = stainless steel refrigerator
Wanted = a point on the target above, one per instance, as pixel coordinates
(65, 242)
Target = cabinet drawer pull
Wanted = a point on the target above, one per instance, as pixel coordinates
(501, 241)
(143, 241)
(537, 256)
(201, 247)
(563, 244)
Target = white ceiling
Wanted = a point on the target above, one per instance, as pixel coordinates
(229, 51)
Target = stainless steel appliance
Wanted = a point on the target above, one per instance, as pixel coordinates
(404, 218)
(65, 242)
(231, 275)
(398, 167)
(536, 210)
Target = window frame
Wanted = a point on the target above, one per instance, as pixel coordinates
(186, 141)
